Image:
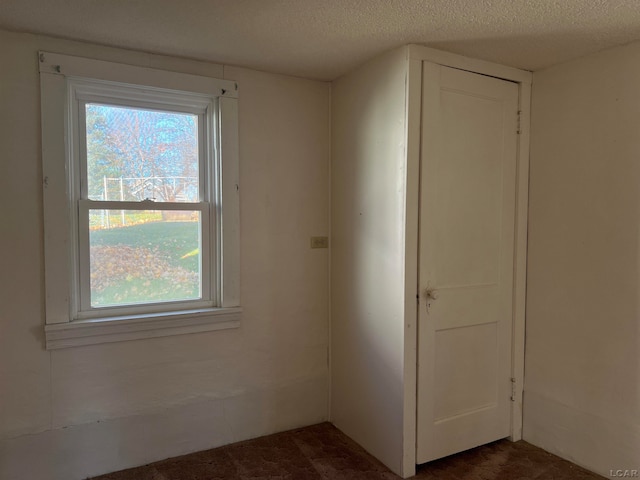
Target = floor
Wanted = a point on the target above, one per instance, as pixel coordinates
(322, 452)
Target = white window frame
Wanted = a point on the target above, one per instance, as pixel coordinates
(66, 84)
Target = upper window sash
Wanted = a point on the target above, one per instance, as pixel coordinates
(84, 91)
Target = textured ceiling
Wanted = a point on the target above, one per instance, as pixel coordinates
(323, 39)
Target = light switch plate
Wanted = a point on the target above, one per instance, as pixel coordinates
(319, 242)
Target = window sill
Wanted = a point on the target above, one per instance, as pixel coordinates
(136, 327)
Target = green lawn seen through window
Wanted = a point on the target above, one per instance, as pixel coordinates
(157, 261)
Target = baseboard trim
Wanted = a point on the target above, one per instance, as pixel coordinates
(599, 444)
(81, 451)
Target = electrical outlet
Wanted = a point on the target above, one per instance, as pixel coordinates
(319, 242)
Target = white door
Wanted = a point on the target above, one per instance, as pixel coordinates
(467, 217)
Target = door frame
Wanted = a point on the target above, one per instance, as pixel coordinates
(418, 54)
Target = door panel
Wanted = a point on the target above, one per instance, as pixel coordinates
(468, 191)
(465, 370)
(467, 216)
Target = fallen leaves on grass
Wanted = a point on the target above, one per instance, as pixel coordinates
(112, 265)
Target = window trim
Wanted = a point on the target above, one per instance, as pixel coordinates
(62, 327)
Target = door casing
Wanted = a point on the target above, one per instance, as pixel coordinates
(417, 55)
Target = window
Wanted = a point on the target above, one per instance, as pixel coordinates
(140, 200)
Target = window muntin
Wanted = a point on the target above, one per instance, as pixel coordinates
(158, 148)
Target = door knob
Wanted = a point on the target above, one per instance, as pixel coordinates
(430, 293)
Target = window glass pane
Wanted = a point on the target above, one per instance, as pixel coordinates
(146, 256)
(134, 154)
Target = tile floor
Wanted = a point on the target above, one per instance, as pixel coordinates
(322, 452)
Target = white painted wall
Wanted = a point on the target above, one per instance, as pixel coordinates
(68, 414)
(582, 379)
(368, 182)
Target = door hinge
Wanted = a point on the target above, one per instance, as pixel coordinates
(518, 129)
(513, 389)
